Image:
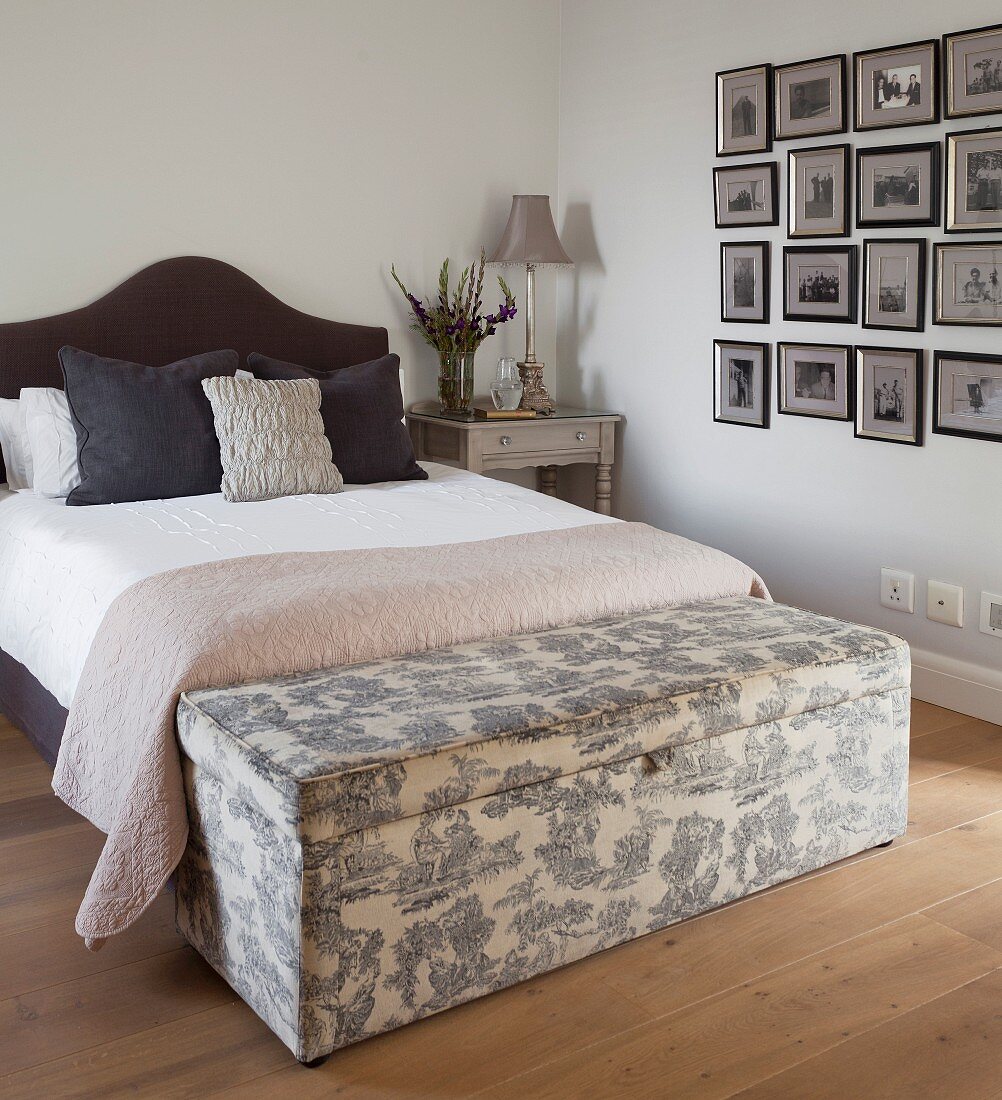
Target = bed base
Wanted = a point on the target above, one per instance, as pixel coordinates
(31, 708)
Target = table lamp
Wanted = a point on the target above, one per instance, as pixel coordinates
(530, 238)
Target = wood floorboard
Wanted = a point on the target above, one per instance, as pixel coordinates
(949, 1047)
(200, 1054)
(72, 1016)
(29, 961)
(747, 1034)
(883, 968)
(953, 748)
(927, 718)
(977, 914)
(32, 854)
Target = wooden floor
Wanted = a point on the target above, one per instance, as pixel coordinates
(880, 977)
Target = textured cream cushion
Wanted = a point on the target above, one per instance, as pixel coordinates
(271, 438)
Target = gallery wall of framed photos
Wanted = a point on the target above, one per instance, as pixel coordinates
(869, 223)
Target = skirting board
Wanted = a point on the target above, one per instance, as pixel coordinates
(957, 685)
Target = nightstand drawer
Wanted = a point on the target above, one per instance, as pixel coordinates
(537, 436)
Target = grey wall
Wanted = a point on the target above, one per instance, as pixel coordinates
(309, 143)
(815, 510)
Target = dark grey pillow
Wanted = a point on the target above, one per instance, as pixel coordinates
(143, 433)
(362, 408)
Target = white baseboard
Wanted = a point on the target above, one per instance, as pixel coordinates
(957, 685)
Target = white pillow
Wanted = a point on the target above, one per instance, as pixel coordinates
(14, 444)
(53, 442)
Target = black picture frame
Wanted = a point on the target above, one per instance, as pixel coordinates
(778, 70)
(919, 356)
(922, 280)
(850, 251)
(723, 169)
(762, 347)
(845, 349)
(764, 248)
(812, 150)
(934, 148)
(719, 82)
(949, 112)
(950, 196)
(933, 98)
(940, 249)
(966, 357)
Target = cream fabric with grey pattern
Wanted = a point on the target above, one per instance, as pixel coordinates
(271, 438)
(376, 843)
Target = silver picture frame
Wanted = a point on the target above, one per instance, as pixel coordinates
(814, 380)
(744, 282)
(898, 185)
(810, 98)
(894, 281)
(974, 181)
(817, 186)
(973, 72)
(741, 383)
(967, 395)
(896, 86)
(968, 283)
(746, 195)
(744, 111)
(889, 392)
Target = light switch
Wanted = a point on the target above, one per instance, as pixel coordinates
(945, 603)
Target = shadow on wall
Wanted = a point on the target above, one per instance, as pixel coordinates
(578, 237)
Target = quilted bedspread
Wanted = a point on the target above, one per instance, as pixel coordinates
(244, 619)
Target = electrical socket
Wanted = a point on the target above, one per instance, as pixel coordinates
(897, 590)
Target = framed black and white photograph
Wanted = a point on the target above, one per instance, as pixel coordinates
(818, 191)
(741, 383)
(810, 98)
(819, 284)
(814, 380)
(968, 284)
(889, 395)
(746, 195)
(974, 181)
(894, 283)
(744, 281)
(898, 185)
(897, 86)
(973, 72)
(967, 395)
(744, 115)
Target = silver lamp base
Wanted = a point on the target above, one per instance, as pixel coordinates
(534, 393)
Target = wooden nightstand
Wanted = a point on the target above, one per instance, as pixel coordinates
(566, 437)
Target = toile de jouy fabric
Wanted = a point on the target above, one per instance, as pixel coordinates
(374, 844)
(234, 621)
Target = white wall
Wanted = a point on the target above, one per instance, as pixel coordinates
(310, 143)
(815, 510)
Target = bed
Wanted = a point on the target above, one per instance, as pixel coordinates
(62, 568)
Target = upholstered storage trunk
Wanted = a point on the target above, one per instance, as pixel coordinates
(375, 843)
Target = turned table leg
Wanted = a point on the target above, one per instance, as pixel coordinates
(548, 480)
(603, 489)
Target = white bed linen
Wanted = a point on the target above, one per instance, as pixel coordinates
(61, 568)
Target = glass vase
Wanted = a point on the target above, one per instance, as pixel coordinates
(506, 389)
(455, 381)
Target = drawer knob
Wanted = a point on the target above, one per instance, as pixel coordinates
(580, 437)
(506, 441)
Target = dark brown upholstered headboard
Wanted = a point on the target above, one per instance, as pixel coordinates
(176, 308)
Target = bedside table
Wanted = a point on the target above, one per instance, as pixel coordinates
(548, 442)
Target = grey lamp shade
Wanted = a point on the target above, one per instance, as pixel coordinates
(530, 237)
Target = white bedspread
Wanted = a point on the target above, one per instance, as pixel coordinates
(61, 568)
